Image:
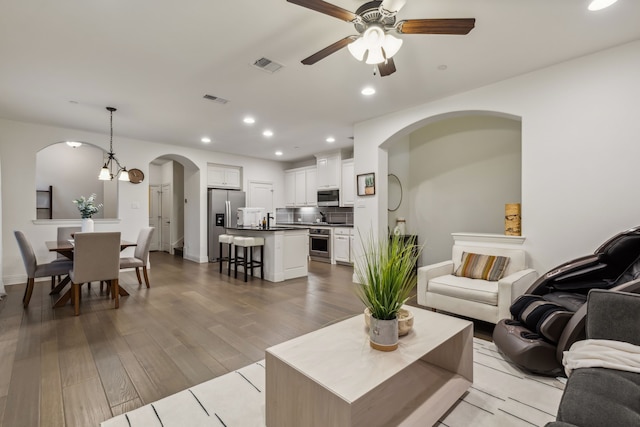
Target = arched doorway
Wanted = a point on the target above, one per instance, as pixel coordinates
(458, 170)
(173, 198)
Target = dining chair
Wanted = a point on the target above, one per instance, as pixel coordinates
(64, 233)
(37, 270)
(140, 255)
(95, 258)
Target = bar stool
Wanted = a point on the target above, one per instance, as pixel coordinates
(246, 260)
(226, 239)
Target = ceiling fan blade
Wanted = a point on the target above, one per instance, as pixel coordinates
(436, 26)
(387, 68)
(328, 50)
(327, 9)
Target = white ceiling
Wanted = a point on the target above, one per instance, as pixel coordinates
(62, 62)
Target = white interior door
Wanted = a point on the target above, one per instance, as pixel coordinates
(155, 215)
(167, 205)
(261, 196)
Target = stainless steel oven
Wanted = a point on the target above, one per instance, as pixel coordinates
(320, 244)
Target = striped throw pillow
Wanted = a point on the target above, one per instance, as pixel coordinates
(486, 267)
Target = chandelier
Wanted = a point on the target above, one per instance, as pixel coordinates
(106, 173)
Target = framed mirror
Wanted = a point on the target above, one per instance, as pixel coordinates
(395, 192)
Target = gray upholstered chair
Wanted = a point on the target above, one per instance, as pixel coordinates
(96, 257)
(37, 270)
(64, 234)
(140, 255)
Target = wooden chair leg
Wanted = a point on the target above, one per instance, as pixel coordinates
(115, 290)
(146, 276)
(27, 292)
(76, 298)
(138, 274)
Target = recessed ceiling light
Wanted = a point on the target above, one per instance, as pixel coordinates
(268, 133)
(368, 91)
(249, 120)
(74, 144)
(205, 139)
(278, 153)
(600, 4)
(331, 139)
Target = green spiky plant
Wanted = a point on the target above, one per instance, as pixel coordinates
(385, 274)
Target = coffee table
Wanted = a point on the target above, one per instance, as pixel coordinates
(332, 377)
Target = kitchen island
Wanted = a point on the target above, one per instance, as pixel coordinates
(286, 250)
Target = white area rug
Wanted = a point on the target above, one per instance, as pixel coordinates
(501, 396)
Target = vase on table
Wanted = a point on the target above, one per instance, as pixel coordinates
(87, 225)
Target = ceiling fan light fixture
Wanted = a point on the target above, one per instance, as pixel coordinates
(600, 4)
(391, 7)
(376, 56)
(391, 45)
(373, 37)
(358, 48)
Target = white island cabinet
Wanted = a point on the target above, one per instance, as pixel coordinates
(286, 251)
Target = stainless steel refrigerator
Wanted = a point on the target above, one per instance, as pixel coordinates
(222, 212)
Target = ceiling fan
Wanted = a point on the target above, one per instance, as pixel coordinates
(374, 21)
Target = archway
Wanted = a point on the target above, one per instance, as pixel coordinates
(173, 203)
(458, 170)
(64, 173)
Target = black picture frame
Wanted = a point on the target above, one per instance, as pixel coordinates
(366, 184)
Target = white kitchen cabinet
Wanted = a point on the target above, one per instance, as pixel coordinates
(311, 185)
(290, 188)
(348, 187)
(342, 245)
(300, 187)
(329, 167)
(224, 176)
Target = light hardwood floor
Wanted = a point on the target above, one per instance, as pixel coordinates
(193, 324)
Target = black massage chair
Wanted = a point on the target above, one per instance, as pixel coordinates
(550, 316)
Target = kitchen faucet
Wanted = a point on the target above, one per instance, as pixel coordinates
(269, 218)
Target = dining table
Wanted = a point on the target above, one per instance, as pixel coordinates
(66, 247)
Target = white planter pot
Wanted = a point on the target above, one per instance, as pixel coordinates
(87, 225)
(383, 334)
(405, 320)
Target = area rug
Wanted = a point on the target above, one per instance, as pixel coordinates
(501, 395)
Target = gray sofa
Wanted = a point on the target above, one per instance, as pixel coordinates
(596, 397)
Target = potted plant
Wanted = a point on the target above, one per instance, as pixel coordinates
(87, 207)
(369, 186)
(386, 276)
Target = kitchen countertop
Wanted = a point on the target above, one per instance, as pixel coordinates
(272, 228)
(314, 224)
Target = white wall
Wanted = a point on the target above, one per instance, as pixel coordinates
(19, 143)
(462, 172)
(579, 150)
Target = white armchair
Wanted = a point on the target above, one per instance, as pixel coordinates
(440, 289)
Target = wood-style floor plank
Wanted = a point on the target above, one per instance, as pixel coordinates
(192, 325)
(85, 404)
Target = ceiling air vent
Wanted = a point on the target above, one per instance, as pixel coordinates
(267, 65)
(216, 99)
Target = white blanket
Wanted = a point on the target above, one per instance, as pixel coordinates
(602, 354)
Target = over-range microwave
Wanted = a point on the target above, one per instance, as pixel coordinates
(328, 197)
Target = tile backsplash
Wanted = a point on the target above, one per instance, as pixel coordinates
(311, 214)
